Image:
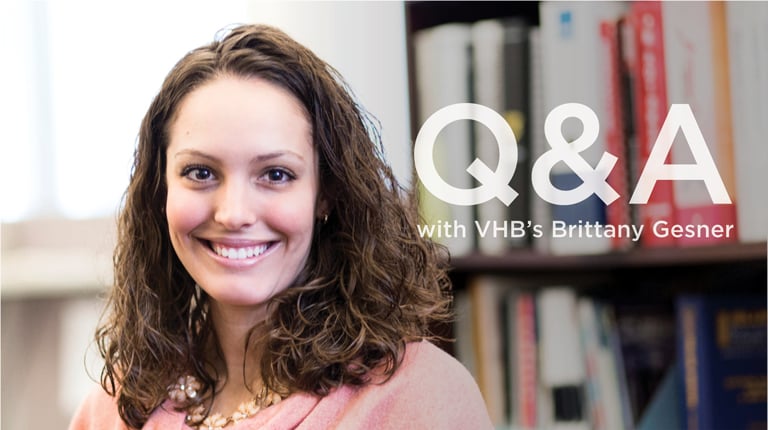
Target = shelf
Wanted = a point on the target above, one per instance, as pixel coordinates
(425, 14)
(528, 261)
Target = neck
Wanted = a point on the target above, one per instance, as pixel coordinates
(232, 326)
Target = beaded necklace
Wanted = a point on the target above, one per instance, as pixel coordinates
(186, 390)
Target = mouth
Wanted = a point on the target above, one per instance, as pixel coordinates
(238, 252)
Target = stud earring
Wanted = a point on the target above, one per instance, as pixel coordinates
(325, 219)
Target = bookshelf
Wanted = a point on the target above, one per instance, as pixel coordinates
(748, 256)
(646, 282)
(422, 15)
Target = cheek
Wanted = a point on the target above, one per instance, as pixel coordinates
(183, 212)
(295, 217)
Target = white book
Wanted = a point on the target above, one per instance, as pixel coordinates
(540, 209)
(747, 30)
(443, 61)
(488, 83)
(561, 355)
(571, 73)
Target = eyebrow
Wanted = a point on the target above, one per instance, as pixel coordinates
(260, 157)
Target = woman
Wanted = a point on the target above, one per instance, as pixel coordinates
(268, 273)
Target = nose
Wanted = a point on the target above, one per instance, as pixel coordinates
(235, 205)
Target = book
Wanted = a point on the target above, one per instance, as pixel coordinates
(541, 214)
(748, 67)
(646, 337)
(627, 60)
(516, 111)
(443, 59)
(602, 374)
(486, 294)
(722, 349)
(610, 329)
(613, 73)
(590, 342)
(521, 359)
(561, 358)
(645, 56)
(489, 84)
(570, 42)
(696, 60)
(499, 78)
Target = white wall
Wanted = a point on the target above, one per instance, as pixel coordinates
(365, 42)
(85, 72)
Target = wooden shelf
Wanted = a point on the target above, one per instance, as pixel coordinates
(637, 259)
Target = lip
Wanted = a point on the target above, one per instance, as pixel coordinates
(261, 250)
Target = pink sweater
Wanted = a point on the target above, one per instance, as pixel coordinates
(431, 390)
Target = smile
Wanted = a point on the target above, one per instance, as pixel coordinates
(239, 253)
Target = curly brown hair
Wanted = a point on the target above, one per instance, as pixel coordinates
(371, 282)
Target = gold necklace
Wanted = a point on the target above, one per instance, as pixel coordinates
(186, 390)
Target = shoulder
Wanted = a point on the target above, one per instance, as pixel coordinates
(430, 389)
(427, 369)
(97, 411)
(426, 359)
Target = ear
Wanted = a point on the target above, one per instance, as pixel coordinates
(322, 208)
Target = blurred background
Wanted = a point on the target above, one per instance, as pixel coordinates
(76, 80)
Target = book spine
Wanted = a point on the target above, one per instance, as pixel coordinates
(690, 348)
(486, 293)
(570, 43)
(516, 110)
(620, 395)
(722, 344)
(527, 358)
(697, 74)
(591, 345)
(488, 89)
(747, 39)
(650, 105)
(443, 75)
(563, 380)
(541, 213)
(618, 212)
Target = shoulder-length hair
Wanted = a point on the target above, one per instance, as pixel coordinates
(370, 285)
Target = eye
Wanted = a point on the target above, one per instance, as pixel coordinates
(198, 173)
(278, 175)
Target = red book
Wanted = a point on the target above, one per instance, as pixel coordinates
(650, 106)
(526, 369)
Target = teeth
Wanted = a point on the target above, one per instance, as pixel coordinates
(239, 253)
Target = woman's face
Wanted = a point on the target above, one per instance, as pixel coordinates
(242, 189)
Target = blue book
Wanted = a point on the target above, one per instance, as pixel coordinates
(722, 346)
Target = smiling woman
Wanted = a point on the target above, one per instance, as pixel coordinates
(269, 272)
(242, 179)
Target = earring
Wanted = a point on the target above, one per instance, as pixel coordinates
(325, 219)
